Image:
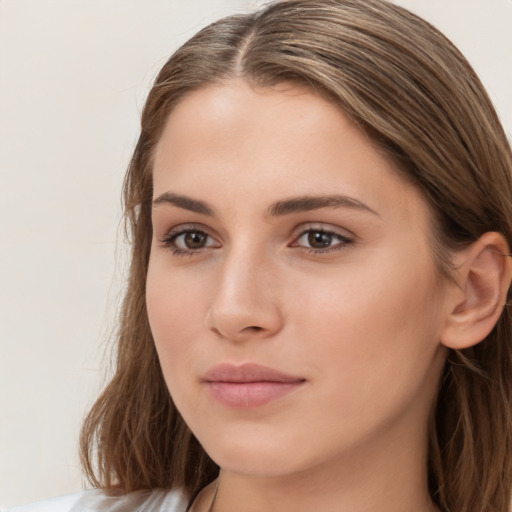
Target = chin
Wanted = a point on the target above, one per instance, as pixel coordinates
(255, 463)
(257, 454)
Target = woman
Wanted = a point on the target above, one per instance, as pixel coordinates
(320, 204)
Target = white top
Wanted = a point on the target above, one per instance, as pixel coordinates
(97, 500)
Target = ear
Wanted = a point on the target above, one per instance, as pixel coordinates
(483, 278)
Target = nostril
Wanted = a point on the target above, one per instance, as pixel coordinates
(254, 328)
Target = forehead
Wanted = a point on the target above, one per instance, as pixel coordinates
(285, 140)
(238, 104)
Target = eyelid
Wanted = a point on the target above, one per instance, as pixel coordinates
(345, 237)
(169, 237)
(188, 226)
(325, 227)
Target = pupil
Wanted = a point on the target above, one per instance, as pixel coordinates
(195, 239)
(319, 240)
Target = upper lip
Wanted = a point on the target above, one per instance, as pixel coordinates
(248, 372)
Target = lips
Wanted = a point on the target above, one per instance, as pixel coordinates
(249, 385)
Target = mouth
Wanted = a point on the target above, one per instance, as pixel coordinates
(249, 385)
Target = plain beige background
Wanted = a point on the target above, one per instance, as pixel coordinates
(73, 77)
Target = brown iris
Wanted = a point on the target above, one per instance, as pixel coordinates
(319, 239)
(195, 239)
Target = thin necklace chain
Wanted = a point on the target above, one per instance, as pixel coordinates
(210, 508)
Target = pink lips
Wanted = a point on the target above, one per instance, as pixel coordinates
(249, 385)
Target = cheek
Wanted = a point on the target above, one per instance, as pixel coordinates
(363, 334)
(175, 317)
(371, 328)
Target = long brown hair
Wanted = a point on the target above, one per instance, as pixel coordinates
(406, 86)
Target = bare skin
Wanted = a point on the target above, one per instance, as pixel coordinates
(340, 292)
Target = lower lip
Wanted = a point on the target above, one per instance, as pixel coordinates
(250, 394)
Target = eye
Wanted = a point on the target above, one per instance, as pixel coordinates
(321, 240)
(191, 240)
(183, 240)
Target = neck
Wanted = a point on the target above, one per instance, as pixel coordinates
(393, 479)
(276, 495)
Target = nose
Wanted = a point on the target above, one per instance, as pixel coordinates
(245, 304)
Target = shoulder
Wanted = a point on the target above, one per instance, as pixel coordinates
(58, 504)
(97, 500)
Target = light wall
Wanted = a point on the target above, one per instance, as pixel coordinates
(73, 76)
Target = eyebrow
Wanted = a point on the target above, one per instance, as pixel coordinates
(187, 203)
(308, 203)
(279, 208)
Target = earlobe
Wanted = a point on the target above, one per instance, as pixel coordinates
(483, 278)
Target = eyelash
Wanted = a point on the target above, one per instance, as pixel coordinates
(343, 241)
(169, 240)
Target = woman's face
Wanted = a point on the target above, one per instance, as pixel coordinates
(291, 291)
